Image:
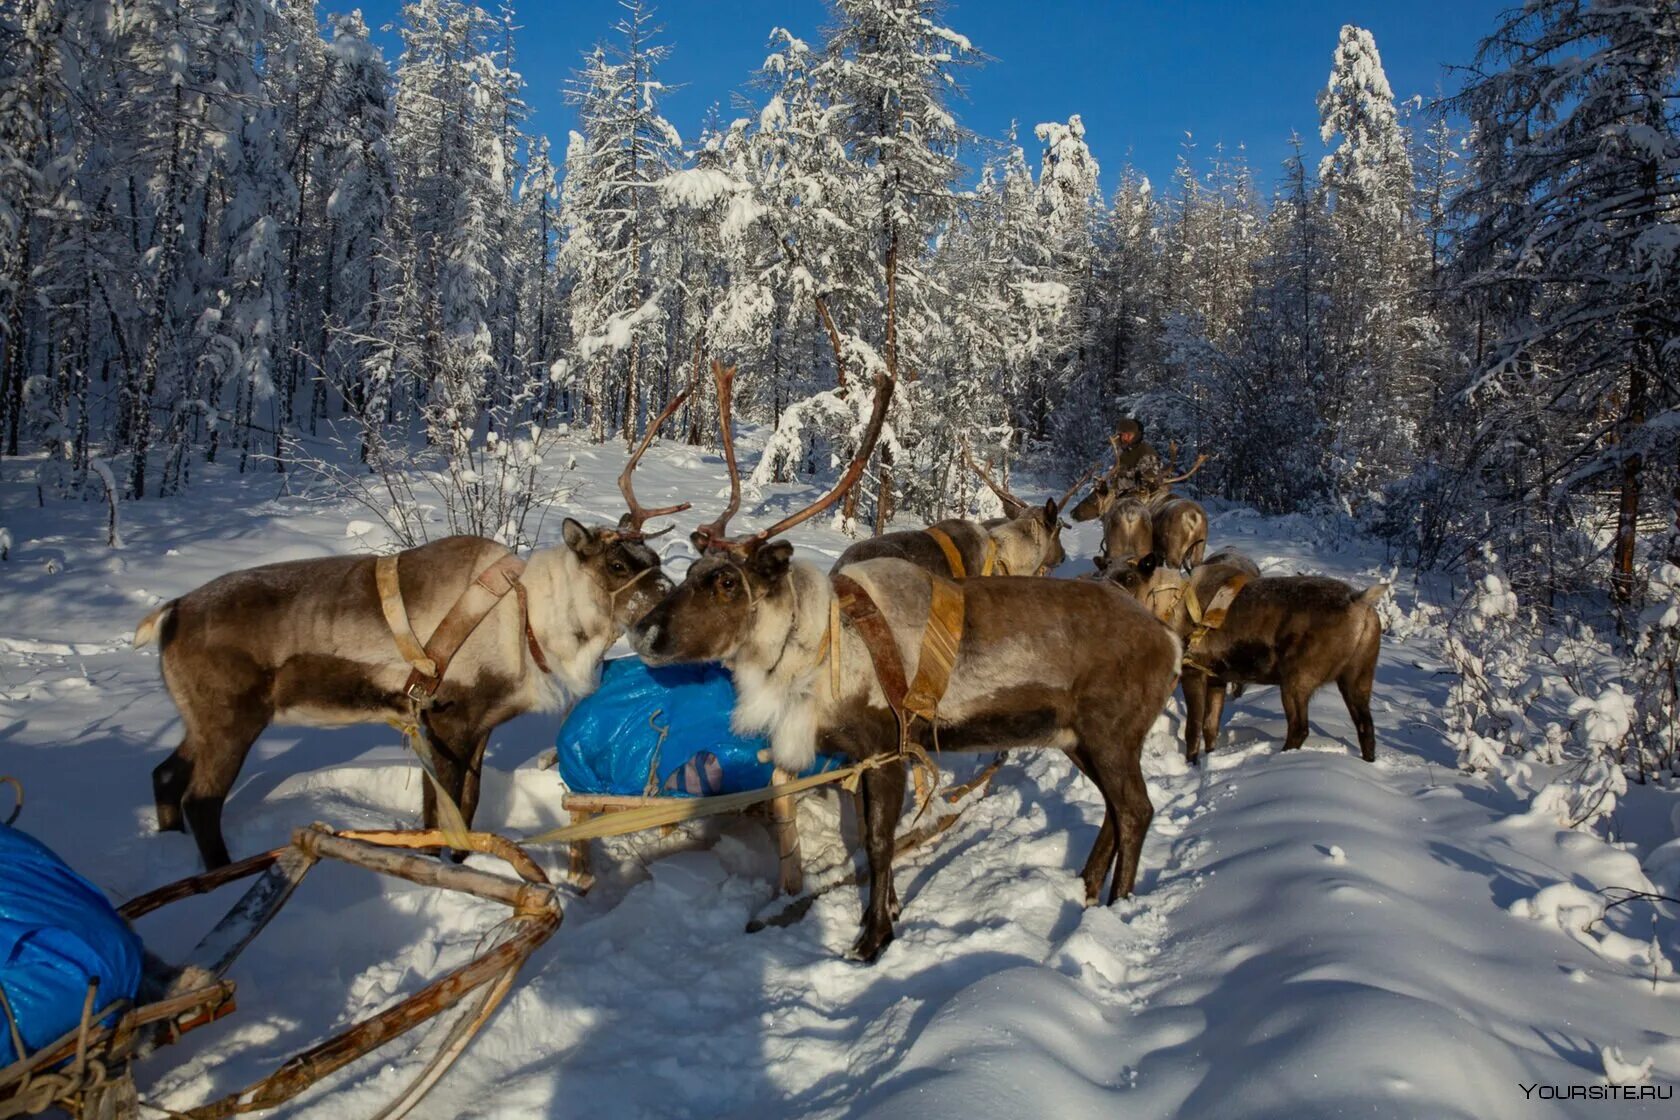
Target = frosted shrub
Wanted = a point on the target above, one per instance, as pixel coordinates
(1490, 648)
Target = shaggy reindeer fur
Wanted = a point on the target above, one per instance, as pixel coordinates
(1074, 665)
(1025, 544)
(1297, 632)
(305, 642)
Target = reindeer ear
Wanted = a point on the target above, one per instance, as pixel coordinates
(770, 562)
(1049, 513)
(579, 538)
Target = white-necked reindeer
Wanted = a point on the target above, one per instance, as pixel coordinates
(1074, 665)
(310, 642)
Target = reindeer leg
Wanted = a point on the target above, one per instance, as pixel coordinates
(470, 784)
(1097, 864)
(169, 785)
(213, 761)
(450, 757)
(1136, 811)
(1215, 711)
(1194, 685)
(1355, 685)
(883, 803)
(1115, 752)
(1295, 697)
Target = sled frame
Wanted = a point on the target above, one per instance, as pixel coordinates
(98, 1083)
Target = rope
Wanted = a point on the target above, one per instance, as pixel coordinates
(676, 810)
(38, 1090)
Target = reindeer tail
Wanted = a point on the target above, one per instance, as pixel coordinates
(147, 632)
(1372, 595)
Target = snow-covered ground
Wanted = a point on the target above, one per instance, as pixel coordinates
(1313, 936)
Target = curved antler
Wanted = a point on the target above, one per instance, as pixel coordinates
(1010, 502)
(871, 435)
(1067, 495)
(712, 532)
(1194, 467)
(630, 525)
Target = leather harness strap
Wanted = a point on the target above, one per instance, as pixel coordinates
(994, 562)
(941, 637)
(866, 619)
(396, 616)
(487, 589)
(1212, 617)
(953, 557)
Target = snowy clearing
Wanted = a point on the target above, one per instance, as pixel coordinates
(1313, 936)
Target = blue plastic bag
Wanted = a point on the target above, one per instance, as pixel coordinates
(673, 721)
(57, 932)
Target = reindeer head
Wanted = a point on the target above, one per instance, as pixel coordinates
(740, 587)
(1157, 587)
(1112, 487)
(1029, 537)
(618, 558)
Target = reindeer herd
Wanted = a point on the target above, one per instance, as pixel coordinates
(943, 639)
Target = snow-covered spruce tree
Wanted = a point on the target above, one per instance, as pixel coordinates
(887, 73)
(1383, 366)
(1257, 400)
(357, 302)
(1072, 208)
(611, 213)
(1126, 352)
(1569, 264)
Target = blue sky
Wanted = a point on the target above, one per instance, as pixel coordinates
(1142, 74)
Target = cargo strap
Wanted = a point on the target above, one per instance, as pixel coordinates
(1205, 620)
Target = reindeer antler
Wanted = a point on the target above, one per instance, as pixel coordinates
(710, 536)
(712, 532)
(1067, 495)
(630, 525)
(1010, 502)
(854, 470)
(1194, 467)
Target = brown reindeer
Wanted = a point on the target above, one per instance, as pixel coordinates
(308, 642)
(1026, 541)
(1177, 526)
(1074, 665)
(1297, 632)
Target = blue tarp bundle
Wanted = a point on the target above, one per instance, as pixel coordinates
(57, 932)
(612, 737)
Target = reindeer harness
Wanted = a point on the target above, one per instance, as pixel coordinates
(1205, 620)
(430, 662)
(953, 555)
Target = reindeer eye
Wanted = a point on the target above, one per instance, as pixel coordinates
(618, 567)
(727, 583)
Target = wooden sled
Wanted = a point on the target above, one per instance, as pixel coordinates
(87, 1073)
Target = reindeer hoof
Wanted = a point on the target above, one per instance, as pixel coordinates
(868, 947)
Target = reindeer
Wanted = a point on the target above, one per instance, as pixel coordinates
(312, 642)
(1177, 526)
(1297, 632)
(1026, 541)
(1074, 665)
